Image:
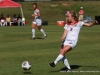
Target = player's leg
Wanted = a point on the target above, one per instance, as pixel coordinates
(33, 30)
(80, 17)
(42, 31)
(61, 55)
(71, 45)
(65, 61)
(39, 25)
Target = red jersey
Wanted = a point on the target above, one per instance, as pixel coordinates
(81, 12)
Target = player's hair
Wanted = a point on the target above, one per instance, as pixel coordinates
(73, 14)
(35, 4)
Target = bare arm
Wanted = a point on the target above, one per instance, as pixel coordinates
(90, 24)
(64, 35)
(38, 14)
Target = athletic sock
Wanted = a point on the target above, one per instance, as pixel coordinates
(65, 61)
(33, 33)
(58, 58)
(42, 31)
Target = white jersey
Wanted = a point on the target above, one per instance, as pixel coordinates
(35, 12)
(73, 31)
(37, 19)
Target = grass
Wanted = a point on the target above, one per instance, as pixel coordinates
(16, 47)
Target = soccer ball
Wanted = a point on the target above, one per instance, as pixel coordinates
(26, 65)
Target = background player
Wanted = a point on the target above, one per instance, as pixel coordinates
(37, 21)
(81, 14)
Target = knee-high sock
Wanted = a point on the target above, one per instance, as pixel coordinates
(33, 33)
(58, 58)
(42, 31)
(65, 61)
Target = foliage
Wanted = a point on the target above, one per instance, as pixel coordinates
(53, 11)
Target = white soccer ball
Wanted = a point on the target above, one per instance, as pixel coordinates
(26, 65)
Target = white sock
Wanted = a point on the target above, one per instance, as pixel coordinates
(33, 33)
(65, 61)
(58, 58)
(42, 31)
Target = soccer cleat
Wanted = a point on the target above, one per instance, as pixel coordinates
(45, 37)
(52, 64)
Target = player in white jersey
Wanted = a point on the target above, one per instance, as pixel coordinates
(69, 38)
(37, 22)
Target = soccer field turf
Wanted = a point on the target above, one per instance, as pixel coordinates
(16, 47)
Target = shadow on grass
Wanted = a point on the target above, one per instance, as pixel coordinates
(27, 72)
(72, 67)
(38, 38)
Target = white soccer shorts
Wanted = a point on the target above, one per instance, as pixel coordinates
(71, 43)
(38, 22)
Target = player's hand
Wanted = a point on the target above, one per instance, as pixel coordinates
(33, 15)
(95, 22)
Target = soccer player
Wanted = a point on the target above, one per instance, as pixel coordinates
(37, 21)
(81, 14)
(69, 38)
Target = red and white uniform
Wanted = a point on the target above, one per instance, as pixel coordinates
(81, 12)
(72, 33)
(37, 19)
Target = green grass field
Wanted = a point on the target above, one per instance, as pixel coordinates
(16, 47)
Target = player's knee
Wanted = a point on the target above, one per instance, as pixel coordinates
(39, 28)
(63, 52)
(33, 26)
